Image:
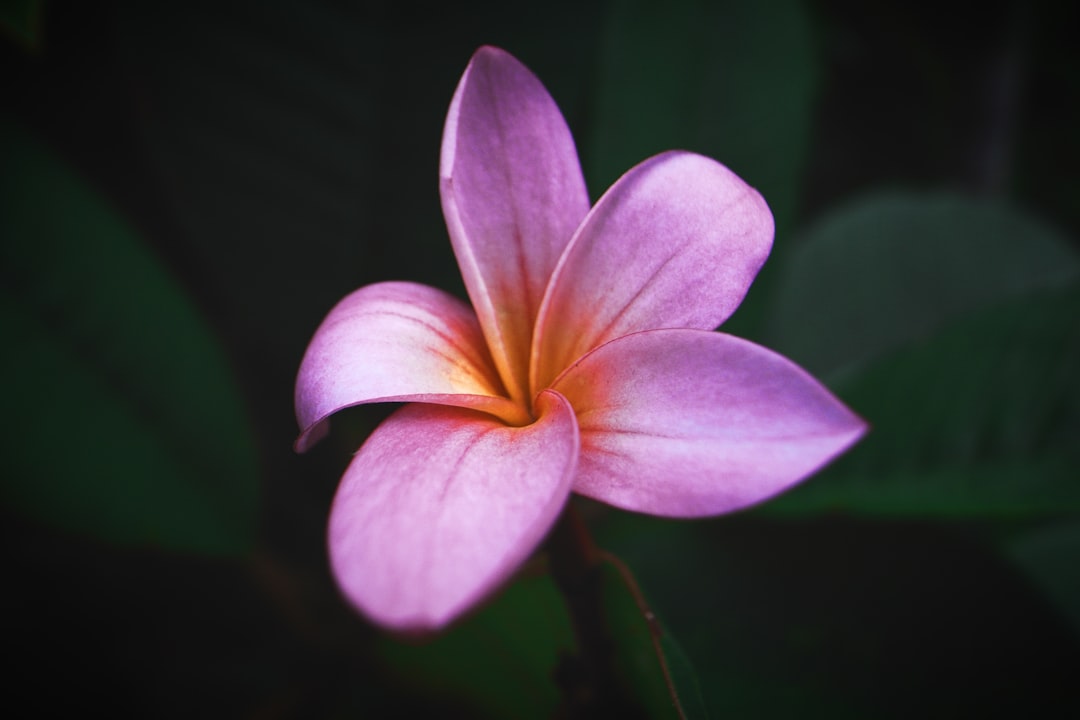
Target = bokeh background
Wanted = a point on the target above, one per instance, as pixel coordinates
(187, 188)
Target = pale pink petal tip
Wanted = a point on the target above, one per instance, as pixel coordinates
(512, 193)
(687, 423)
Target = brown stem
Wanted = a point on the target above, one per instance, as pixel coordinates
(655, 631)
(588, 680)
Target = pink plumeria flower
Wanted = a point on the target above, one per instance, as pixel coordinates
(587, 362)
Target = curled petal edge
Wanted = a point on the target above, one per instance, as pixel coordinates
(397, 342)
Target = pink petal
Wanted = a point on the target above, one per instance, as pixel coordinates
(675, 242)
(393, 342)
(442, 504)
(687, 423)
(513, 194)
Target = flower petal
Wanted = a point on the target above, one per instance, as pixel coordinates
(392, 342)
(675, 242)
(442, 504)
(686, 423)
(513, 194)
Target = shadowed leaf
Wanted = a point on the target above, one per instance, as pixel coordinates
(652, 663)
(121, 417)
(22, 20)
(500, 660)
(1051, 558)
(981, 419)
(891, 269)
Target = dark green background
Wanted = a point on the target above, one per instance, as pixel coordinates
(186, 189)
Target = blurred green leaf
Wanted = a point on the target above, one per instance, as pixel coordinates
(500, 660)
(121, 417)
(981, 419)
(891, 269)
(644, 666)
(848, 617)
(22, 20)
(732, 80)
(1051, 558)
(743, 655)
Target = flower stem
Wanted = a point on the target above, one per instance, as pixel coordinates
(588, 680)
(655, 631)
